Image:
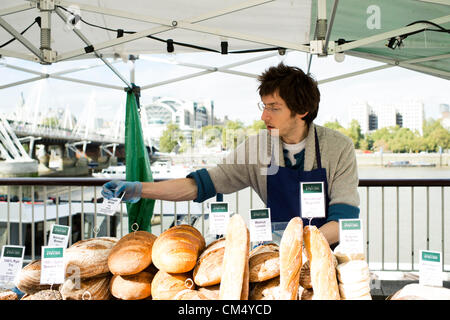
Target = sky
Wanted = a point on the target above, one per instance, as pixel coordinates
(233, 95)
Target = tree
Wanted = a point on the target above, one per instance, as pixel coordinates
(233, 134)
(171, 138)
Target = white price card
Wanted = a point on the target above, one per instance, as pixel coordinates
(218, 218)
(59, 236)
(110, 206)
(10, 265)
(351, 236)
(260, 225)
(430, 268)
(52, 265)
(312, 199)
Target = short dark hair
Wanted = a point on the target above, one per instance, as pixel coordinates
(298, 90)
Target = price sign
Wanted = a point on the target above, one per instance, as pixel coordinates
(312, 199)
(260, 225)
(218, 218)
(10, 264)
(351, 236)
(59, 236)
(430, 268)
(110, 206)
(52, 265)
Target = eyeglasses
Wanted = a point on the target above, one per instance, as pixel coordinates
(270, 107)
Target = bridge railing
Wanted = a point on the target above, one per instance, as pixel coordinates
(400, 217)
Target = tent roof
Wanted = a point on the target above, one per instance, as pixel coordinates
(365, 27)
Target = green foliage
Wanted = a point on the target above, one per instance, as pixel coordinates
(170, 138)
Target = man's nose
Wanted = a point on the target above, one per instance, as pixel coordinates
(264, 115)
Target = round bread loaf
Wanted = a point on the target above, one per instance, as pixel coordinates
(166, 285)
(208, 270)
(44, 295)
(29, 278)
(132, 287)
(264, 262)
(177, 249)
(86, 289)
(132, 253)
(89, 258)
(265, 290)
(305, 276)
(190, 294)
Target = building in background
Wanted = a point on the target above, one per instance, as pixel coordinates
(373, 116)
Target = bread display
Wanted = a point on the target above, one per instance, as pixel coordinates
(177, 249)
(208, 270)
(86, 289)
(165, 285)
(291, 259)
(44, 295)
(235, 260)
(264, 262)
(89, 258)
(322, 265)
(132, 253)
(132, 287)
(29, 278)
(265, 290)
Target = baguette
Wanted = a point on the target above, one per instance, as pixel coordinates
(235, 259)
(132, 253)
(322, 265)
(291, 259)
(177, 249)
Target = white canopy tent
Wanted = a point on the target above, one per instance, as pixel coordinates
(79, 29)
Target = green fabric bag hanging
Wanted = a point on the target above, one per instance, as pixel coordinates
(137, 165)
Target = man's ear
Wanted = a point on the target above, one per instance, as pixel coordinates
(301, 115)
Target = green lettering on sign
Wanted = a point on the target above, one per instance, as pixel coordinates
(312, 188)
(13, 252)
(431, 256)
(259, 214)
(61, 230)
(351, 225)
(53, 252)
(219, 207)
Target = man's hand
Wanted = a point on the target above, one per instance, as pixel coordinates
(114, 189)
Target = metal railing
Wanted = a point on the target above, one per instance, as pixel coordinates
(400, 216)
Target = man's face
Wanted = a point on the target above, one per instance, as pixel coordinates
(280, 121)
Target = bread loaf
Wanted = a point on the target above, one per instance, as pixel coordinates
(189, 294)
(237, 243)
(266, 290)
(43, 295)
(177, 249)
(322, 265)
(89, 258)
(86, 289)
(414, 291)
(210, 292)
(307, 294)
(264, 262)
(343, 256)
(305, 276)
(132, 287)
(8, 295)
(29, 278)
(132, 253)
(208, 270)
(166, 285)
(291, 259)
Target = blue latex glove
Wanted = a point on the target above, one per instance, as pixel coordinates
(115, 188)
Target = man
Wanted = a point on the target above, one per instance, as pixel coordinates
(292, 150)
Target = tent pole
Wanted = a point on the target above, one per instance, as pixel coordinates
(23, 7)
(330, 26)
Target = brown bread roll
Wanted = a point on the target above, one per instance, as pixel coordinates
(29, 278)
(264, 262)
(132, 287)
(86, 289)
(322, 265)
(44, 295)
(89, 258)
(208, 270)
(235, 273)
(132, 253)
(305, 276)
(166, 285)
(291, 246)
(265, 290)
(176, 250)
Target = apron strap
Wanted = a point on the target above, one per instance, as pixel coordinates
(319, 161)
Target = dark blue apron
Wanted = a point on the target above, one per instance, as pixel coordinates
(283, 194)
